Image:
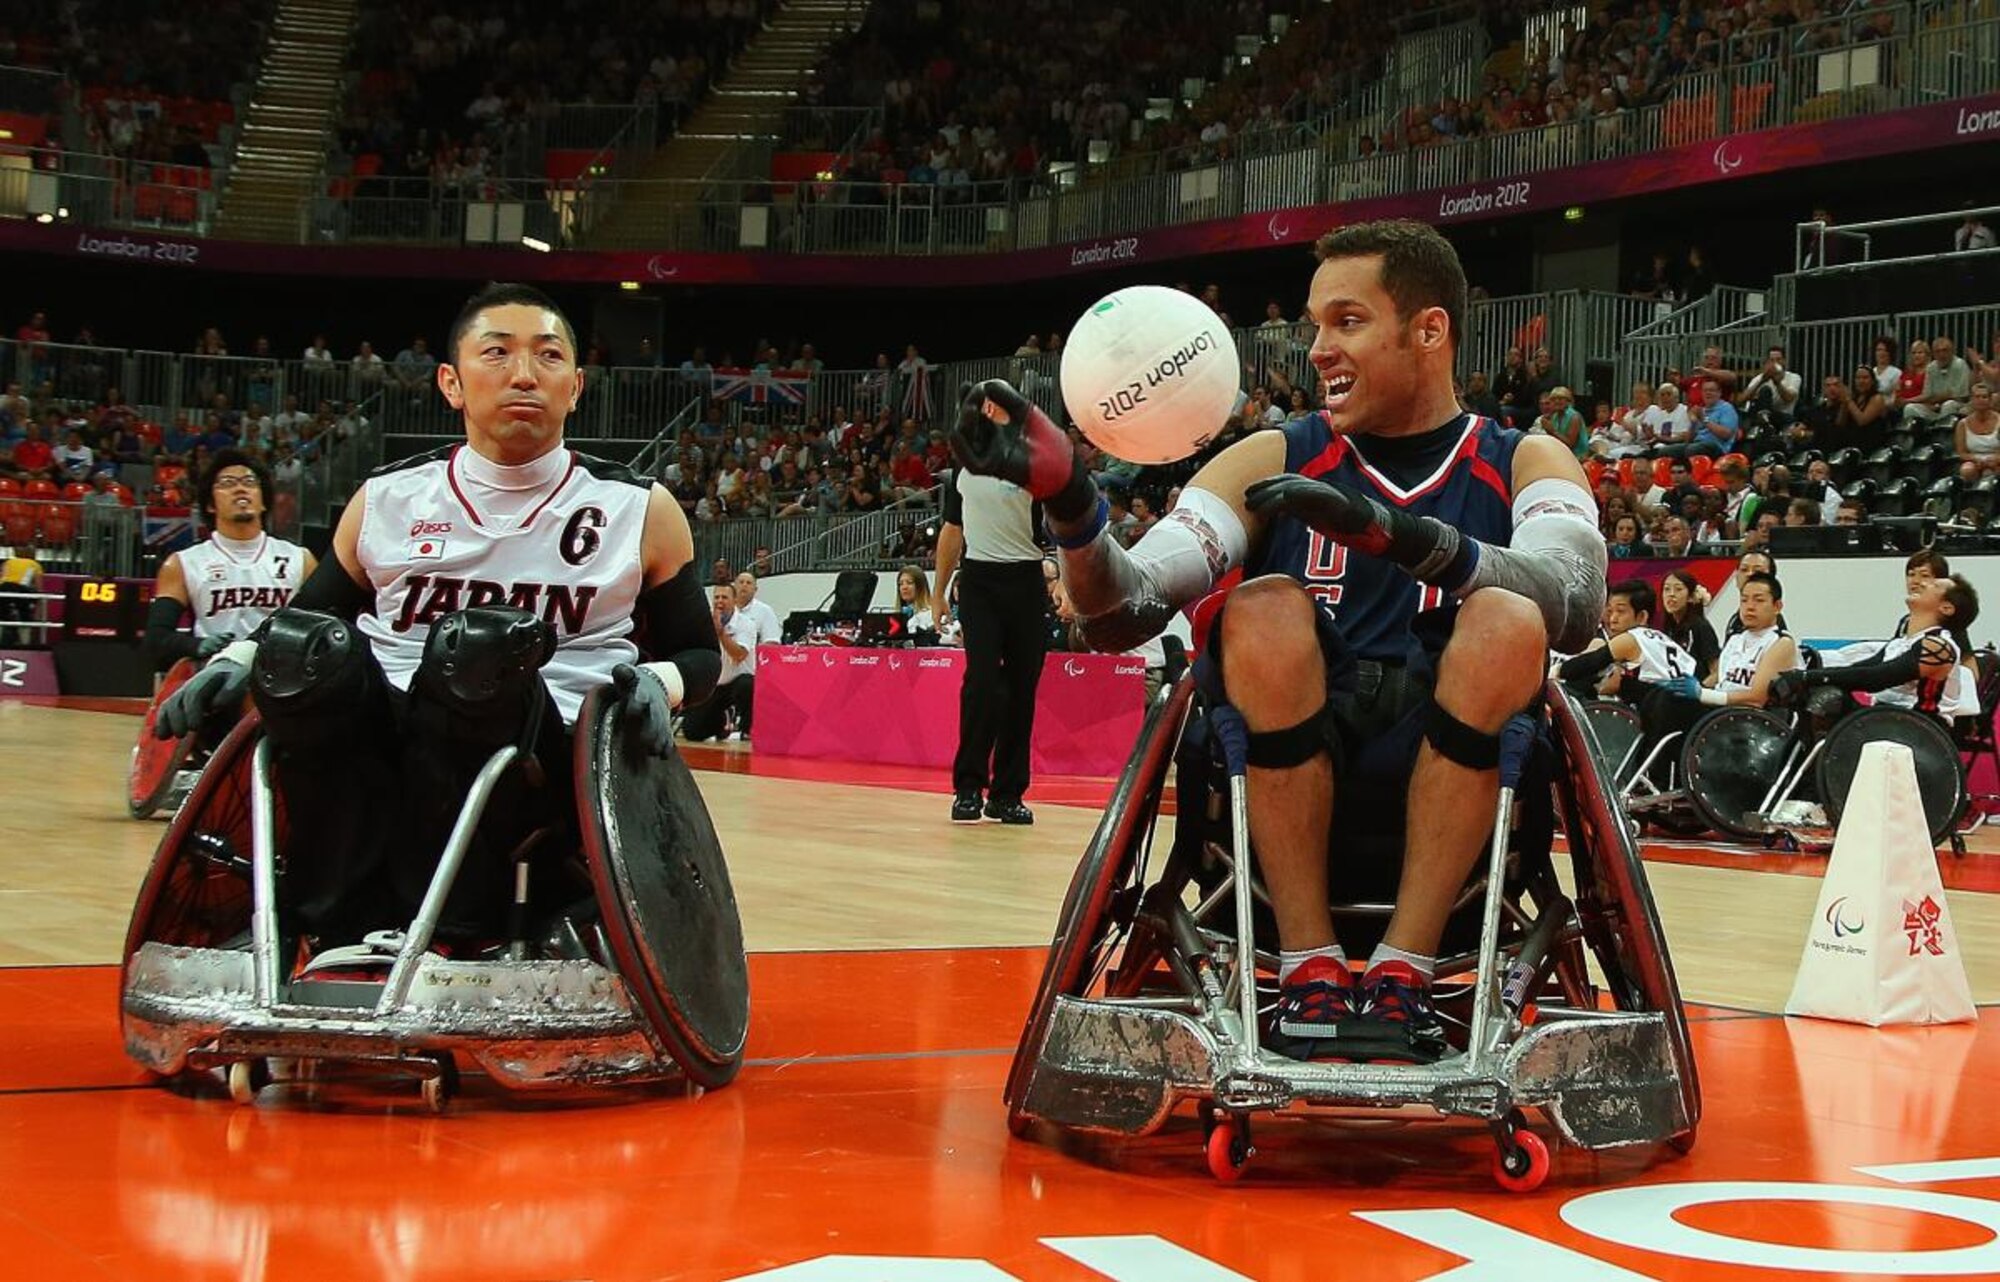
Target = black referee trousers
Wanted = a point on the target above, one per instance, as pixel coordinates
(1001, 610)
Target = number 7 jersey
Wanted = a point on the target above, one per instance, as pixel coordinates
(232, 584)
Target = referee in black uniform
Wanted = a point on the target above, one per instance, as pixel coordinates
(988, 536)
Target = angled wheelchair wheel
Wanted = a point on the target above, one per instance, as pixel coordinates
(196, 893)
(1094, 948)
(1731, 760)
(1940, 773)
(663, 887)
(156, 763)
(1615, 729)
(1614, 903)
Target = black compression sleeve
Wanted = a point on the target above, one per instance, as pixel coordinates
(1880, 675)
(332, 590)
(1586, 665)
(165, 642)
(676, 624)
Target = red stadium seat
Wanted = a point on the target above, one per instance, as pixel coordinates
(123, 491)
(18, 519)
(1701, 467)
(149, 202)
(1625, 470)
(1741, 460)
(58, 524)
(9, 487)
(1595, 471)
(44, 490)
(74, 492)
(1663, 472)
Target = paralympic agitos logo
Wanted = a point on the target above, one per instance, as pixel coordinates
(1837, 916)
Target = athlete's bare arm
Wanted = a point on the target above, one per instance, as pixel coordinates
(668, 543)
(1541, 458)
(1781, 656)
(172, 583)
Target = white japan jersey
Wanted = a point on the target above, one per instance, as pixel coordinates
(1955, 696)
(573, 561)
(232, 584)
(1661, 658)
(1737, 665)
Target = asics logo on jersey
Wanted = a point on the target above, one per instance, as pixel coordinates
(247, 599)
(431, 597)
(418, 529)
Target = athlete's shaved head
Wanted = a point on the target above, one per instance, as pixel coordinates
(502, 294)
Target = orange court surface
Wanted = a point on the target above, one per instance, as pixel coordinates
(893, 957)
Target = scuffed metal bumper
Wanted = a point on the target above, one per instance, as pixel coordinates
(1605, 1080)
(527, 1024)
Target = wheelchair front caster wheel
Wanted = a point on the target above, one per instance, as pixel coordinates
(246, 1078)
(439, 1090)
(1522, 1165)
(1229, 1148)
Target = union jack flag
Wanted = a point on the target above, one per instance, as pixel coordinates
(763, 386)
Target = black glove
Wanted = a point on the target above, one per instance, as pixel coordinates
(1001, 433)
(1426, 547)
(222, 684)
(206, 648)
(1788, 689)
(649, 710)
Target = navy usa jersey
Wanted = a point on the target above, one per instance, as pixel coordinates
(1461, 473)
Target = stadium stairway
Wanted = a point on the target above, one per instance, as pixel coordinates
(282, 145)
(747, 104)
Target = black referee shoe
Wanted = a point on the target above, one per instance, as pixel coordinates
(1009, 812)
(965, 809)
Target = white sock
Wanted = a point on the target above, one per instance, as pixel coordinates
(1289, 962)
(1425, 966)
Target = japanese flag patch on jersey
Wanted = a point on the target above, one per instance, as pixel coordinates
(425, 549)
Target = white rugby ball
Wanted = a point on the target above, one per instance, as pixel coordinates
(1150, 374)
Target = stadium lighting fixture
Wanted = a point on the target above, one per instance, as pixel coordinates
(535, 243)
(629, 286)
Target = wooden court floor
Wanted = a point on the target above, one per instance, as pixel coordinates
(893, 958)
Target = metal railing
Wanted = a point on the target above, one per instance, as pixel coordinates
(98, 537)
(104, 191)
(878, 540)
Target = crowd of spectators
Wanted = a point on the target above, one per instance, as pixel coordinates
(149, 86)
(65, 419)
(447, 91)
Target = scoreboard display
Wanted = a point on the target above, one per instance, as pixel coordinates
(103, 610)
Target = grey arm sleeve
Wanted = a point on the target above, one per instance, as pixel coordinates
(1556, 561)
(1124, 599)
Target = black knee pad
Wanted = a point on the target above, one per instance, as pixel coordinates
(1456, 741)
(313, 678)
(480, 678)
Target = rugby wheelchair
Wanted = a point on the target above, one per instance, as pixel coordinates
(1774, 775)
(643, 979)
(163, 771)
(1161, 968)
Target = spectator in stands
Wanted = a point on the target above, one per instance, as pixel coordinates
(1543, 375)
(1801, 512)
(1887, 374)
(1989, 369)
(913, 599)
(1711, 366)
(1972, 234)
(34, 457)
(1516, 388)
(1479, 397)
(1563, 422)
(1696, 282)
(861, 493)
(1916, 368)
(73, 458)
(1717, 428)
(1676, 540)
(1683, 617)
(760, 613)
(1947, 386)
(1772, 399)
(1626, 542)
(1819, 477)
(1610, 437)
(1977, 436)
(1668, 427)
(317, 352)
(1851, 512)
(369, 369)
(415, 367)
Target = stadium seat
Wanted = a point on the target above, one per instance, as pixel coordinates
(1626, 468)
(74, 492)
(58, 524)
(44, 490)
(1663, 471)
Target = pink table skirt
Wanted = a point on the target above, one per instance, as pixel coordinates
(900, 707)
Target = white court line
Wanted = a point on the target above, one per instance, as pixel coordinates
(1965, 1168)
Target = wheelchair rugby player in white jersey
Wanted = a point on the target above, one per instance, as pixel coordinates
(457, 702)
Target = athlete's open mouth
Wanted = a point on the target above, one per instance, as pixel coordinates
(1338, 387)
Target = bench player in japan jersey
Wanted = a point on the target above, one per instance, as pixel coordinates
(572, 560)
(1640, 656)
(1924, 668)
(231, 581)
(1763, 649)
(1459, 473)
